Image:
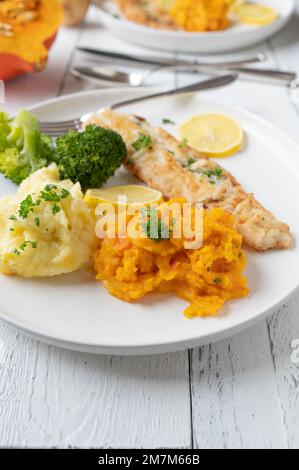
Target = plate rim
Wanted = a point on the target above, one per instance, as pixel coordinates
(172, 345)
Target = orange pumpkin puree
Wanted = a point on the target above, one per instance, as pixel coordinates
(206, 277)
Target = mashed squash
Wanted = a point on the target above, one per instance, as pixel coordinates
(206, 277)
(46, 229)
(201, 15)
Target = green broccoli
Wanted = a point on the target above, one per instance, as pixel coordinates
(23, 149)
(89, 157)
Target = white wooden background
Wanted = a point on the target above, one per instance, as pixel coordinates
(239, 393)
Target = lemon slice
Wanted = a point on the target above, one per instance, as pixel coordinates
(214, 135)
(234, 4)
(135, 196)
(253, 14)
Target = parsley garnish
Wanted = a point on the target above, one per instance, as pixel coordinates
(24, 245)
(154, 228)
(183, 142)
(50, 193)
(143, 142)
(27, 206)
(167, 121)
(56, 209)
(213, 175)
(190, 161)
(217, 281)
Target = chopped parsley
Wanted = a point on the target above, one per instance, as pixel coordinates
(183, 142)
(190, 161)
(27, 206)
(213, 175)
(49, 193)
(217, 281)
(167, 121)
(154, 228)
(56, 209)
(143, 142)
(24, 245)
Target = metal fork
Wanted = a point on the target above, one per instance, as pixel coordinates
(55, 129)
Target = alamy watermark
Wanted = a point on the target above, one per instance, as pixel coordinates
(157, 221)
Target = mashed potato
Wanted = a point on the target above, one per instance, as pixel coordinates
(206, 276)
(46, 229)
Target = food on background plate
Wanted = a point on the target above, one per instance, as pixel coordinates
(189, 15)
(177, 170)
(146, 13)
(27, 30)
(200, 15)
(206, 277)
(254, 14)
(46, 228)
(196, 15)
(214, 135)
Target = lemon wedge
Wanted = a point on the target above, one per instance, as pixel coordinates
(214, 135)
(256, 15)
(135, 196)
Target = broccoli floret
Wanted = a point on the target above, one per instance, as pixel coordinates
(23, 149)
(89, 157)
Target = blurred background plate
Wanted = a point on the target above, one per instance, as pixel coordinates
(234, 38)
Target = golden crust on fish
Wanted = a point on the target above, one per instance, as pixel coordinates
(146, 13)
(179, 171)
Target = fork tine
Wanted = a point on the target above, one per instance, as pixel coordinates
(58, 124)
(56, 129)
(57, 132)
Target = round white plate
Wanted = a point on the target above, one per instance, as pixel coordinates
(76, 312)
(236, 37)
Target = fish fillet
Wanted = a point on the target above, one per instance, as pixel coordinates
(177, 170)
(146, 13)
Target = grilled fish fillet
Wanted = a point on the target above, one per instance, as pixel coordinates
(177, 170)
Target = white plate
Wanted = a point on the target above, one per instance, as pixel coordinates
(236, 37)
(76, 312)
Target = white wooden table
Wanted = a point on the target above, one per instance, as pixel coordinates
(239, 393)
